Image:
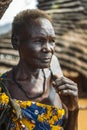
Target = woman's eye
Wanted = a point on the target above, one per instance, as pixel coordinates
(52, 40)
(42, 40)
(39, 40)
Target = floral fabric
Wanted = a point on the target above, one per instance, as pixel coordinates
(36, 116)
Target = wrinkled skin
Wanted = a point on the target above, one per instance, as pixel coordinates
(36, 53)
(39, 46)
(68, 91)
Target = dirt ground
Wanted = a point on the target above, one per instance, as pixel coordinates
(82, 118)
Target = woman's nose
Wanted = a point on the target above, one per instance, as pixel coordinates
(47, 47)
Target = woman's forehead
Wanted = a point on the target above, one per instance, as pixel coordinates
(42, 27)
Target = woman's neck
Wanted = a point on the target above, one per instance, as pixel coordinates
(23, 71)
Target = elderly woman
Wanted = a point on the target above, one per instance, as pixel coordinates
(34, 94)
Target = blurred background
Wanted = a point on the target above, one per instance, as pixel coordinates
(70, 24)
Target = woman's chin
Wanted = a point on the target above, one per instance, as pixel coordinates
(47, 65)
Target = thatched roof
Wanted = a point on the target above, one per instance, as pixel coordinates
(70, 23)
(8, 56)
(3, 6)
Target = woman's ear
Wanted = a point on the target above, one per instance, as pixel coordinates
(15, 41)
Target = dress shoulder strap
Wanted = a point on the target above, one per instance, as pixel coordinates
(3, 85)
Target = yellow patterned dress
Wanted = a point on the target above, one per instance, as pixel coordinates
(35, 116)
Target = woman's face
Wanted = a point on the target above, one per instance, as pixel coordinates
(38, 47)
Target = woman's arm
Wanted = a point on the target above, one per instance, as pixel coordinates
(72, 122)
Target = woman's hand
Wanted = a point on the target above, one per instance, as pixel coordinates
(68, 91)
